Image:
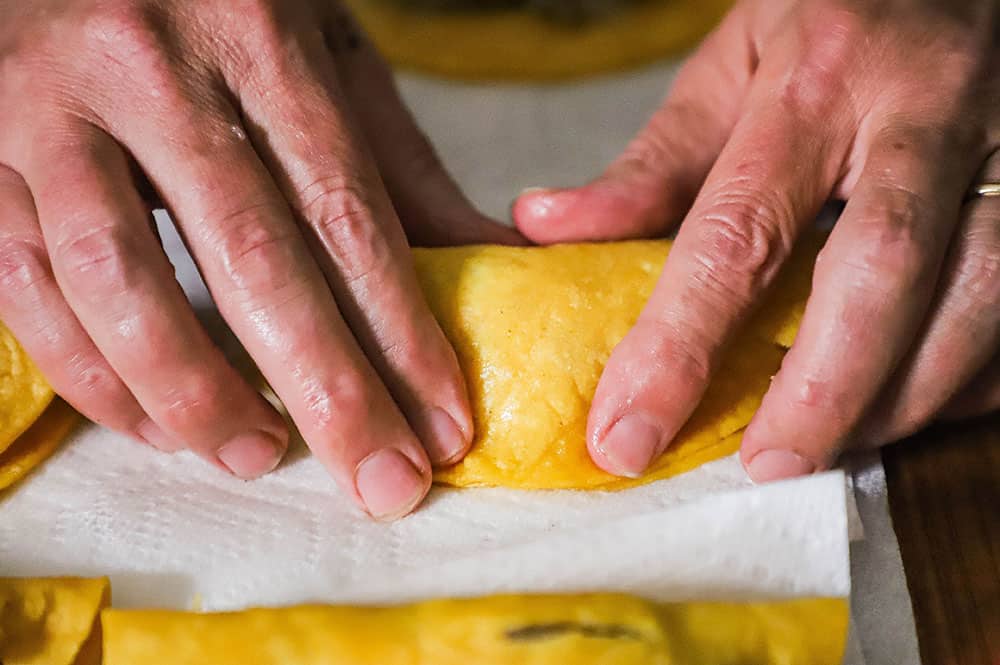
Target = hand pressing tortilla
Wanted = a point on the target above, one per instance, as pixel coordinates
(514, 630)
(533, 328)
(51, 621)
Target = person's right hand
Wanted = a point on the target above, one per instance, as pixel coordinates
(273, 133)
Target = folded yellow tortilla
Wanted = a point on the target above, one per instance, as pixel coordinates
(31, 424)
(52, 621)
(533, 329)
(24, 393)
(502, 630)
(520, 45)
(36, 444)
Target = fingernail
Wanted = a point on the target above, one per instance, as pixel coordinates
(527, 191)
(389, 484)
(445, 443)
(541, 202)
(151, 433)
(251, 455)
(768, 465)
(630, 446)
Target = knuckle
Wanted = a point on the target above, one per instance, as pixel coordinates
(122, 32)
(656, 154)
(672, 354)
(690, 360)
(201, 401)
(341, 399)
(842, 26)
(25, 74)
(978, 275)
(398, 352)
(831, 38)
(128, 41)
(741, 245)
(275, 43)
(339, 214)
(255, 257)
(822, 395)
(85, 379)
(94, 381)
(411, 362)
(23, 265)
(810, 92)
(98, 262)
(891, 250)
(654, 147)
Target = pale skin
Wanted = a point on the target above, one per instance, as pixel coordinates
(272, 132)
(888, 104)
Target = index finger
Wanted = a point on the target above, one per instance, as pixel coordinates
(740, 231)
(273, 294)
(333, 184)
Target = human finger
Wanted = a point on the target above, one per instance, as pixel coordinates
(334, 186)
(958, 340)
(871, 291)
(269, 288)
(120, 285)
(37, 313)
(729, 249)
(650, 186)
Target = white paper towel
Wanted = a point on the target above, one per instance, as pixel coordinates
(167, 527)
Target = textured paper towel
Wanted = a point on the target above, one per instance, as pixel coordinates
(167, 527)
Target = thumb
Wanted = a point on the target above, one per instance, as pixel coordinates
(649, 188)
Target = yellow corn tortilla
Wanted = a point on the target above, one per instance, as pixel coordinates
(24, 393)
(36, 444)
(503, 630)
(533, 329)
(51, 621)
(520, 45)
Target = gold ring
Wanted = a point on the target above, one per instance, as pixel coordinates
(984, 189)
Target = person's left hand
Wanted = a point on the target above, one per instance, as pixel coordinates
(890, 105)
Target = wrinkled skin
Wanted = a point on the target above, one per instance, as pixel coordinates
(272, 132)
(274, 135)
(891, 105)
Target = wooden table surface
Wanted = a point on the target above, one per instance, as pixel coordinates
(944, 493)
